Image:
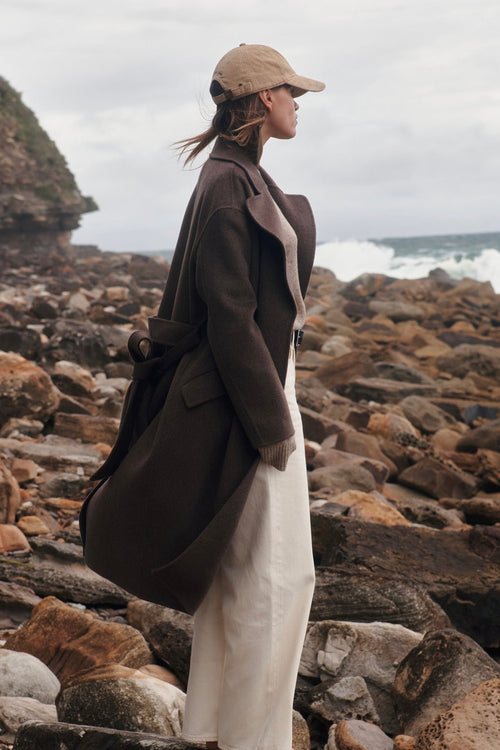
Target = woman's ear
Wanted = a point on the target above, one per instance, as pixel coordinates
(266, 98)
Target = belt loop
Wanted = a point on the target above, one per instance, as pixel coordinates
(297, 338)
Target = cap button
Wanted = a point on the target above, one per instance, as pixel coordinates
(243, 44)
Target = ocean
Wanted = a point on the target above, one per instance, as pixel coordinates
(476, 256)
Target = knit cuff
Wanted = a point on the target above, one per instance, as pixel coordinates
(278, 454)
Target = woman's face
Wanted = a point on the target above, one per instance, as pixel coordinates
(281, 113)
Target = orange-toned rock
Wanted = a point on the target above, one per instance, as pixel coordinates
(24, 469)
(361, 735)
(473, 722)
(370, 506)
(12, 538)
(69, 641)
(390, 425)
(25, 389)
(32, 526)
(404, 742)
(10, 496)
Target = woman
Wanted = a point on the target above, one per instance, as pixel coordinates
(250, 249)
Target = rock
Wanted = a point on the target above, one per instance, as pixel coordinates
(61, 484)
(161, 673)
(441, 670)
(16, 602)
(347, 698)
(26, 676)
(68, 640)
(424, 415)
(343, 369)
(390, 425)
(397, 371)
(12, 538)
(317, 427)
(472, 722)
(341, 478)
(57, 568)
(362, 444)
(25, 389)
(481, 359)
(371, 507)
(168, 632)
(86, 428)
(14, 711)
(485, 542)
(333, 651)
(397, 311)
(32, 526)
(404, 742)
(481, 508)
(23, 470)
(136, 703)
(486, 436)
(10, 496)
(300, 732)
(445, 439)
(383, 390)
(420, 509)
(463, 583)
(437, 479)
(355, 595)
(55, 736)
(19, 426)
(23, 341)
(73, 379)
(57, 453)
(331, 457)
(360, 735)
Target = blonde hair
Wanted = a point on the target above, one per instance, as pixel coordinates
(236, 120)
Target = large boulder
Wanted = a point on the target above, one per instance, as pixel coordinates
(472, 722)
(25, 389)
(437, 673)
(68, 640)
(26, 676)
(334, 651)
(125, 699)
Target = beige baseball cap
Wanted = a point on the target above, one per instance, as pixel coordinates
(250, 68)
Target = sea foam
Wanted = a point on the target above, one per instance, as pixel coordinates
(349, 258)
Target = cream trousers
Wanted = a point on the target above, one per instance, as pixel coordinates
(250, 627)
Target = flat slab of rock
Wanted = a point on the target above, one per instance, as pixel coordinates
(361, 596)
(58, 569)
(385, 391)
(466, 585)
(38, 736)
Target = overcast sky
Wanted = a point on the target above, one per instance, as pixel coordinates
(405, 140)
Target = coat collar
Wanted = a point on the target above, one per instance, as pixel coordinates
(261, 205)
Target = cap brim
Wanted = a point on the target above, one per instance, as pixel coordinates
(301, 85)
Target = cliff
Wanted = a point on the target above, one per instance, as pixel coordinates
(38, 193)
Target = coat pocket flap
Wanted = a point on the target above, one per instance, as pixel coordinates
(203, 388)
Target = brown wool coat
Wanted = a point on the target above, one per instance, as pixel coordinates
(159, 525)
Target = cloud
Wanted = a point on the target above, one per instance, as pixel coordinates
(404, 139)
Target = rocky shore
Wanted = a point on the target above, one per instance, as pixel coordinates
(398, 384)
(399, 389)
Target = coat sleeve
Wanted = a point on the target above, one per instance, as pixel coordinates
(223, 278)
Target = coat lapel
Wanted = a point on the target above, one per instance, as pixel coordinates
(295, 208)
